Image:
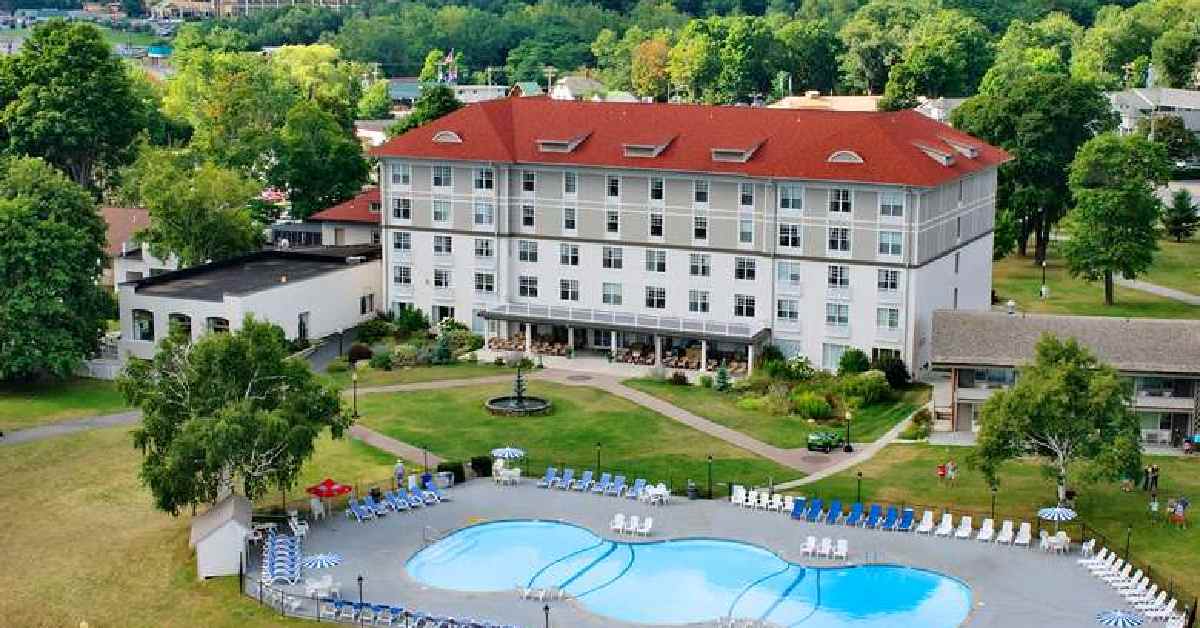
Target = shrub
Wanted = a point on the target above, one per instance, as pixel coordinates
(752, 403)
(778, 403)
(921, 426)
(894, 369)
(722, 383)
(811, 405)
(679, 379)
(923, 418)
(706, 381)
(358, 352)
(853, 361)
(411, 320)
(482, 466)
(455, 467)
(298, 345)
(463, 340)
(771, 353)
(447, 325)
(382, 360)
(868, 387)
(338, 365)
(442, 353)
(777, 369)
(404, 355)
(524, 364)
(375, 330)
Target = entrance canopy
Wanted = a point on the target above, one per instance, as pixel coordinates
(626, 321)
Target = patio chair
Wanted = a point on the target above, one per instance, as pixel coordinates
(584, 482)
(890, 520)
(327, 610)
(751, 499)
(964, 528)
(1096, 559)
(764, 500)
(603, 484)
(826, 548)
(1127, 582)
(985, 531)
(366, 614)
(383, 615)
(1119, 576)
(854, 519)
(799, 507)
(413, 500)
(636, 490)
(1158, 602)
(814, 511)
(375, 507)
(1164, 613)
(299, 528)
(1112, 563)
(789, 502)
(776, 503)
(1143, 597)
(737, 494)
(432, 489)
(618, 486)
(874, 516)
(316, 509)
(906, 520)
(926, 525)
(1005, 535)
(809, 547)
(618, 523)
(647, 524)
(842, 550)
(1135, 588)
(550, 477)
(946, 527)
(835, 512)
(1024, 534)
(632, 525)
(568, 477)
(358, 512)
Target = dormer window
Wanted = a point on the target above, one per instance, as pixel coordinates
(845, 157)
(970, 151)
(561, 145)
(735, 155)
(446, 137)
(647, 149)
(943, 157)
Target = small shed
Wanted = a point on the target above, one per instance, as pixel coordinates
(219, 537)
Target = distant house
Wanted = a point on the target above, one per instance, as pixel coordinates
(1134, 105)
(479, 93)
(525, 89)
(939, 108)
(576, 88)
(372, 132)
(814, 100)
(122, 223)
(352, 222)
(404, 91)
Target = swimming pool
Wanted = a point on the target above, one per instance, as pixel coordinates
(687, 580)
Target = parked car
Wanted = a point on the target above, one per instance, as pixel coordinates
(825, 441)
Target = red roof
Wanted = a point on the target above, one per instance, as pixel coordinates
(894, 146)
(357, 209)
(123, 223)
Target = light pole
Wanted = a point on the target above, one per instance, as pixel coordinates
(710, 476)
(1128, 533)
(1044, 291)
(849, 416)
(859, 500)
(354, 383)
(360, 598)
(597, 456)
(993, 502)
(546, 609)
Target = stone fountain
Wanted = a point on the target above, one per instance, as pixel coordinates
(518, 403)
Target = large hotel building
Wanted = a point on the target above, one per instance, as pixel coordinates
(678, 231)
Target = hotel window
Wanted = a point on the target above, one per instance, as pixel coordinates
(746, 194)
(485, 282)
(613, 257)
(443, 177)
(656, 224)
(570, 183)
(485, 179)
(889, 280)
(568, 254)
(527, 286)
(402, 241)
(402, 275)
(656, 298)
(402, 208)
(143, 325)
(788, 273)
(839, 276)
(613, 187)
(568, 289)
(441, 210)
(657, 186)
(442, 245)
(698, 301)
(610, 293)
(791, 197)
(218, 325)
(839, 200)
(700, 191)
(958, 227)
(891, 243)
(831, 356)
(401, 174)
(527, 250)
(568, 219)
(700, 226)
(839, 239)
(891, 203)
(789, 235)
(483, 247)
(787, 310)
(441, 278)
(376, 237)
(954, 304)
(746, 228)
(612, 221)
(699, 264)
(837, 314)
(956, 261)
(656, 261)
(887, 318)
(745, 268)
(484, 213)
(528, 216)
(743, 305)
(528, 181)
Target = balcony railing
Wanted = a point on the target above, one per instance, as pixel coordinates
(651, 322)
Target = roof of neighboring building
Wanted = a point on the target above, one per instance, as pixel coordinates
(376, 126)
(405, 88)
(1147, 98)
(233, 508)
(1143, 345)
(894, 147)
(830, 103)
(357, 209)
(123, 223)
(253, 272)
(528, 88)
(578, 86)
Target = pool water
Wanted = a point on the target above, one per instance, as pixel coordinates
(688, 580)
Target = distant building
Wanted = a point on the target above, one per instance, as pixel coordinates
(939, 108)
(814, 100)
(525, 89)
(352, 222)
(122, 223)
(1134, 105)
(372, 132)
(467, 94)
(576, 88)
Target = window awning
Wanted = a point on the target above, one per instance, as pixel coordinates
(626, 321)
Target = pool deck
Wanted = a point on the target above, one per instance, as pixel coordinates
(1009, 586)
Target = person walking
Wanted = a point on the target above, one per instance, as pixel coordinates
(1154, 477)
(951, 471)
(1146, 478)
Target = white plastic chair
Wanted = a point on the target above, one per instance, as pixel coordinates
(316, 509)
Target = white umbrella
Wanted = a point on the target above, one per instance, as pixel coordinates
(1120, 619)
(508, 453)
(321, 561)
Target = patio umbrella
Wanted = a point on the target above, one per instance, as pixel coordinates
(1120, 618)
(508, 453)
(1056, 514)
(328, 488)
(321, 561)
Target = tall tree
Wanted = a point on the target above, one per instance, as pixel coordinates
(230, 411)
(376, 102)
(1041, 120)
(946, 54)
(1176, 55)
(692, 62)
(317, 162)
(808, 52)
(1041, 47)
(648, 68)
(1072, 409)
(65, 97)
(198, 211)
(434, 102)
(1114, 223)
(1181, 218)
(873, 39)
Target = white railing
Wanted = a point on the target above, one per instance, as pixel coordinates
(629, 319)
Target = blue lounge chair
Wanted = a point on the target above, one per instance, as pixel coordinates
(617, 487)
(873, 518)
(584, 482)
(413, 500)
(374, 506)
(636, 491)
(906, 521)
(430, 487)
(799, 507)
(396, 503)
(603, 485)
(814, 510)
(565, 481)
(856, 515)
(358, 512)
(548, 480)
(889, 522)
(835, 512)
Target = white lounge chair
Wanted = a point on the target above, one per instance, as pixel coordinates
(789, 502)
(1005, 535)
(632, 526)
(647, 524)
(1129, 583)
(737, 494)
(1165, 613)
(826, 548)
(764, 500)
(1097, 558)
(809, 547)
(964, 528)
(1114, 569)
(776, 502)
(946, 527)
(1024, 534)
(328, 610)
(1154, 604)
(926, 526)
(1137, 587)
(316, 509)
(1120, 576)
(1104, 565)
(842, 550)
(1087, 548)
(986, 531)
(618, 523)
(1142, 598)
(751, 499)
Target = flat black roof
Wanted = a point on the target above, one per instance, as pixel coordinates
(251, 273)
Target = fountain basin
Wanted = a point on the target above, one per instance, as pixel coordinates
(511, 405)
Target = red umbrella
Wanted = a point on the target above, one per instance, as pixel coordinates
(328, 488)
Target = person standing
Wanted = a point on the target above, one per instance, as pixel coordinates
(1154, 477)
(398, 472)
(1146, 478)
(951, 471)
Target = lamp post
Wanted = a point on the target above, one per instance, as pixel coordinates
(354, 382)
(546, 609)
(849, 416)
(597, 456)
(859, 499)
(993, 502)
(710, 476)
(1043, 292)
(1128, 533)
(360, 598)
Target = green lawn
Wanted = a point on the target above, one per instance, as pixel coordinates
(112, 36)
(634, 441)
(788, 432)
(414, 374)
(907, 474)
(28, 405)
(1019, 279)
(1177, 265)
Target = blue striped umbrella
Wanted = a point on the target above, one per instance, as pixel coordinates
(1056, 513)
(321, 561)
(1120, 619)
(508, 453)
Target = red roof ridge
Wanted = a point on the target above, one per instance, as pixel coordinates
(356, 209)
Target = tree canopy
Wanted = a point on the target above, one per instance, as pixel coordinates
(434, 102)
(316, 162)
(1181, 217)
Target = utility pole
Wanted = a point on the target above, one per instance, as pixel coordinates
(549, 71)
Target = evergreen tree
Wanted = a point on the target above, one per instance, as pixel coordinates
(1180, 219)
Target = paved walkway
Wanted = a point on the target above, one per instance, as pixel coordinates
(393, 446)
(70, 427)
(1162, 291)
